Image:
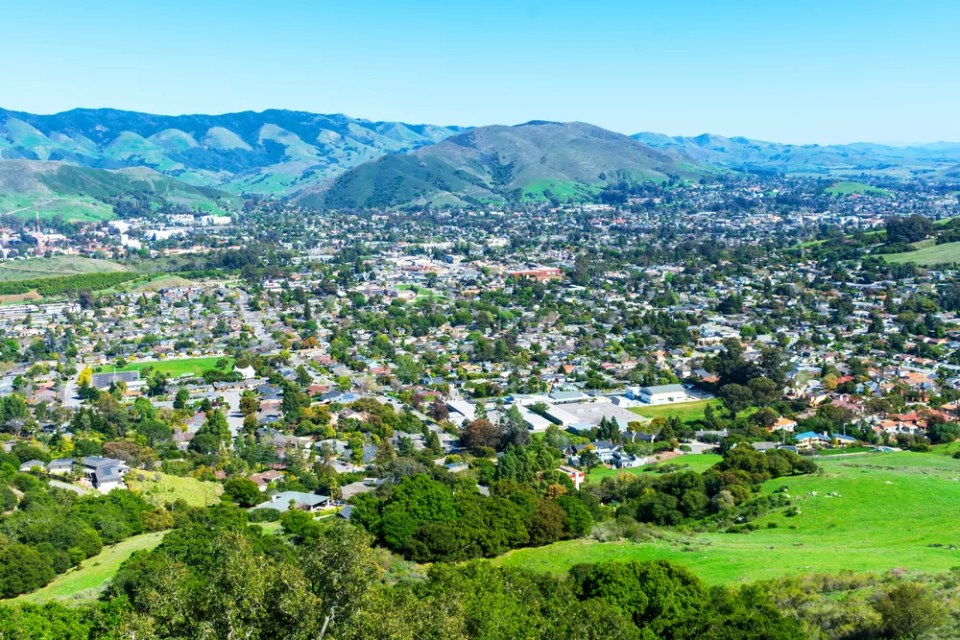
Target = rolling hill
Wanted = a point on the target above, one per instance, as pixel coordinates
(495, 164)
(740, 153)
(274, 152)
(84, 194)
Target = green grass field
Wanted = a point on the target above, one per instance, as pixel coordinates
(849, 188)
(161, 488)
(892, 511)
(688, 412)
(928, 256)
(85, 582)
(54, 266)
(175, 367)
(693, 462)
(70, 208)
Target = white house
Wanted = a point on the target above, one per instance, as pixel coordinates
(663, 394)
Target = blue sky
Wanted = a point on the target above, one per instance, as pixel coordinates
(784, 70)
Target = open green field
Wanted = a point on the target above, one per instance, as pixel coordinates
(54, 266)
(69, 208)
(849, 188)
(160, 488)
(423, 293)
(175, 367)
(158, 283)
(928, 256)
(895, 510)
(688, 412)
(85, 582)
(693, 462)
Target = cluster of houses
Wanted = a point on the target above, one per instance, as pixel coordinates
(102, 474)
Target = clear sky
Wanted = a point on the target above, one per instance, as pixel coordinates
(784, 70)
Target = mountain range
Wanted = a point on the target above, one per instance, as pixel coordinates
(535, 160)
(88, 157)
(740, 153)
(273, 152)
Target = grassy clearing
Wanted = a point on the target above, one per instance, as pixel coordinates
(70, 208)
(54, 266)
(849, 188)
(892, 511)
(928, 256)
(161, 488)
(174, 367)
(160, 282)
(688, 412)
(693, 462)
(84, 583)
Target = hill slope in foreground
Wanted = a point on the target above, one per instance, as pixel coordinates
(495, 164)
(890, 511)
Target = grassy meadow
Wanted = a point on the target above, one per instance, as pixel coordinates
(889, 511)
(688, 412)
(693, 462)
(85, 582)
(849, 188)
(54, 266)
(928, 255)
(160, 488)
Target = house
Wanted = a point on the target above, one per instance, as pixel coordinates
(662, 394)
(32, 464)
(104, 474)
(105, 380)
(287, 500)
(784, 424)
(575, 475)
(265, 479)
(810, 440)
(843, 440)
(246, 373)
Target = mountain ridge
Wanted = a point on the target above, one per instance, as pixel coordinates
(537, 159)
(275, 151)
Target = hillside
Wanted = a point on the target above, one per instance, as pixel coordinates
(81, 193)
(494, 164)
(274, 151)
(744, 153)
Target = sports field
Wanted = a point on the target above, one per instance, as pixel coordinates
(688, 412)
(889, 511)
(175, 367)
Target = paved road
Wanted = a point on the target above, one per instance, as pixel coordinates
(69, 487)
(234, 417)
(252, 318)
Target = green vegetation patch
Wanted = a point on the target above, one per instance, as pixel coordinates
(84, 583)
(55, 266)
(693, 462)
(850, 188)
(928, 256)
(176, 367)
(162, 488)
(869, 513)
(67, 284)
(688, 412)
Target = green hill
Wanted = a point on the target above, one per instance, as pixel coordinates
(536, 160)
(274, 151)
(82, 193)
(740, 153)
